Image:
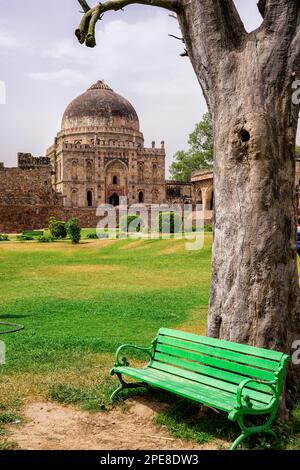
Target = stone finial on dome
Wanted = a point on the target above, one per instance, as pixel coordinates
(100, 85)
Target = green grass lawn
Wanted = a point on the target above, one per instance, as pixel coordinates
(79, 303)
(92, 297)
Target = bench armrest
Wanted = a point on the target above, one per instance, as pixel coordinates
(239, 394)
(124, 361)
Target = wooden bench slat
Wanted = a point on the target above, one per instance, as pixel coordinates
(215, 383)
(244, 348)
(219, 352)
(166, 354)
(226, 376)
(183, 387)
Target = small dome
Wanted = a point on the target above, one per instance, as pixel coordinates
(100, 106)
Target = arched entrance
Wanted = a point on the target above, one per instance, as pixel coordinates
(211, 203)
(114, 199)
(116, 181)
(141, 197)
(89, 197)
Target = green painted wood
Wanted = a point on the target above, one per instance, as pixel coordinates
(164, 354)
(264, 398)
(227, 376)
(212, 372)
(185, 388)
(243, 348)
(220, 352)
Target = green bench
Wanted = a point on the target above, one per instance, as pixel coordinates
(235, 378)
(33, 233)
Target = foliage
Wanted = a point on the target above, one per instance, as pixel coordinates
(208, 228)
(23, 238)
(134, 223)
(92, 236)
(73, 230)
(199, 156)
(169, 222)
(298, 150)
(45, 239)
(4, 237)
(57, 228)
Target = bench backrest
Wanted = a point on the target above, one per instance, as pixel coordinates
(219, 359)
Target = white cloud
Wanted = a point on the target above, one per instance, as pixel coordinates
(66, 77)
(8, 42)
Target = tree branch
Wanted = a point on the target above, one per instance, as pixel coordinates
(262, 7)
(86, 31)
(279, 15)
(84, 5)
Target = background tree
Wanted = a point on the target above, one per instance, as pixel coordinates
(247, 82)
(200, 154)
(74, 230)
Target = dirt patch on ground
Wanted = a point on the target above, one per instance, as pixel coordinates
(51, 426)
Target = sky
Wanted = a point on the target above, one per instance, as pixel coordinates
(43, 68)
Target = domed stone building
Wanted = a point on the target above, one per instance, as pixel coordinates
(98, 157)
(99, 154)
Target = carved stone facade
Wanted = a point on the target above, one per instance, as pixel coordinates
(99, 154)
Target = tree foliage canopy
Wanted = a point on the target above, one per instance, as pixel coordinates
(199, 156)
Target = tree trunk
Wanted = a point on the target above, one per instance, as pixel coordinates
(247, 82)
(254, 285)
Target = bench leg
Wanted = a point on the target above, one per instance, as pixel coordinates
(125, 385)
(249, 431)
(237, 442)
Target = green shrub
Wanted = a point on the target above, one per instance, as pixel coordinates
(73, 230)
(208, 228)
(3, 237)
(24, 238)
(169, 222)
(92, 236)
(45, 239)
(57, 228)
(126, 220)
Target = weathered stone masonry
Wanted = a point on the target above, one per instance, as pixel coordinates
(97, 157)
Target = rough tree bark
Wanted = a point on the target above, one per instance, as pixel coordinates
(247, 82)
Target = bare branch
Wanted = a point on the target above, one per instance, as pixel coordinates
(262, 7)
(86, 31)
(176, 37)
(84, 5)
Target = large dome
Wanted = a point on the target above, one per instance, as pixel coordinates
(100, 106)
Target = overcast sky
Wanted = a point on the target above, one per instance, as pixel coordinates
(44, 68)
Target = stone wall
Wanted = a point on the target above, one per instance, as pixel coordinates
(30, 186)
(26, 198)
(15, 218)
